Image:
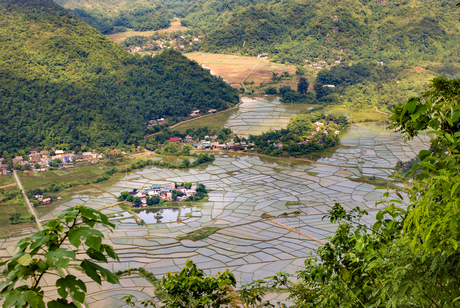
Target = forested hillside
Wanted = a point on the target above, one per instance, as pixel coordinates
(62, 82)
(110, 16)
(294, 31)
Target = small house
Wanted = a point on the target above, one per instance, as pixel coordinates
(35, 158)
(45, 154)
(46, 201)
(212, 111)
(175, 139)
(17, 159)
(189, 139)
(88, 155)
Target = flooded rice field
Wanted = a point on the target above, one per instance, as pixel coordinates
(242, 189)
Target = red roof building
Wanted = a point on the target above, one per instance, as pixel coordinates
(174, 139)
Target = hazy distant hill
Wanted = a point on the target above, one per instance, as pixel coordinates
(109, 16)
(293, 30)
(297, 30)
(62, 82)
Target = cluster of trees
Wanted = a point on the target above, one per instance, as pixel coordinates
(297, 139)
(148, 43)
(16, 218)
(201, 158)
(125, 196)
(81, 89)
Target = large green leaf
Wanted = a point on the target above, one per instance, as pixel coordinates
(59, 257)
(28, 298)
(79, 232)
(76, 287)
(25, 260)
(61, 303)
(95, 272)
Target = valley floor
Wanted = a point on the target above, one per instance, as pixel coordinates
(242, 188)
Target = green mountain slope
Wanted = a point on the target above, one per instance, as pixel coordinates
(328, 30)
(109, 16)
(295, 31)
(62, 82)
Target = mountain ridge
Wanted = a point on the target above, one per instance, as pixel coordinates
(62, 82)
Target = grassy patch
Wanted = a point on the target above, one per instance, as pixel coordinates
(375, 181)
(357, 115)
(292, 202)
(266, 215)
(235, 68)
(312, 173)
(120, 37)
(199, 234)
(16, 205)
(6, 180)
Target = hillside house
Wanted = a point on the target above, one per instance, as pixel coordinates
(3, 169)
(59, 152)
(17, 159)
(175, 139)
(35, 158)
(195, 113)
(45, 154)
(189, 139)
(212, 111)
(88, 156)
(263, 56)
(46, 201)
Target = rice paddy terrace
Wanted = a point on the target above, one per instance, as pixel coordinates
(248, 201)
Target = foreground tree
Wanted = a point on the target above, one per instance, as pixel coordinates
(410, 256)
(50, 251)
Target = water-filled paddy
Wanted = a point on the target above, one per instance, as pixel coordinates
(151, 216)
(242, 188)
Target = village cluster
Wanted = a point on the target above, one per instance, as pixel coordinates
(164, 191)
(41, 161)
(179, 43)
(210, 143)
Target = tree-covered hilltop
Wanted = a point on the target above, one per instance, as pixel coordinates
(63, 82)
(110, 16)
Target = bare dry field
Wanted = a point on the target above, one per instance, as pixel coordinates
(120, 37)
(235, 68)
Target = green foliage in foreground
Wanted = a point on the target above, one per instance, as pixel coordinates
(62, 82)
(47, 253)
